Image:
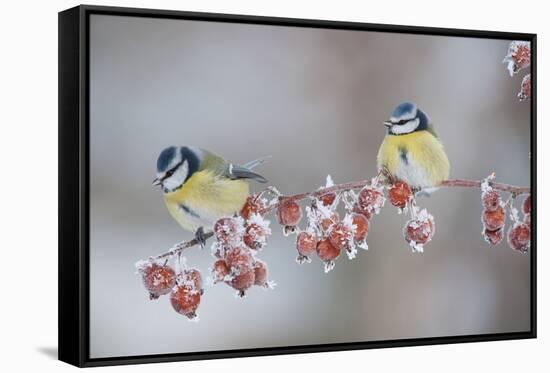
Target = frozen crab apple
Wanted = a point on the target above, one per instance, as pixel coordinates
(361, 224)
(327, 221)
(192, 277)
(526, 207)
(253, 205)
(326, 250)
(256, 232)
(242, 280)
(491, 200)
(494, 219)
(228, 231)
(289, 213)
(371, 199)
(185, 299)
(400, 194)
(220, 270)
(327, 199)
(340, 235)
(519, 237)
(493, 237)
(260, 273)
(419, 230)
(306, 243)
(157, 279)
(240, 263)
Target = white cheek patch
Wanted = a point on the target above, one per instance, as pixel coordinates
(177, 178)
(408, 127)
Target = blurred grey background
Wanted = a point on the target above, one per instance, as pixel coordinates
(315, 100)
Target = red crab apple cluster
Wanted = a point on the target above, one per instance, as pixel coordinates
(237, 243)
(493, 218)
(327, 234)
(185, 288)
(518, 58)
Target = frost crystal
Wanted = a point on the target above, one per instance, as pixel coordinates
(351, 251)
(302, 259)
(514, 214)
(329, 266)
(363, 245)
(485, 184)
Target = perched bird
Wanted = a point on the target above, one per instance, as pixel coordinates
(200, 187)
(411, 151)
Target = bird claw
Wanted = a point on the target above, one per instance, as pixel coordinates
(200, 237)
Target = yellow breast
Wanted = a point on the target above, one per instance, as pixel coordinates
(204, 198)
(417, 158)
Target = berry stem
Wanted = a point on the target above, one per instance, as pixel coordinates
(451, 183)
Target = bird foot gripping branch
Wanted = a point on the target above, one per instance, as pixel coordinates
(337, 218)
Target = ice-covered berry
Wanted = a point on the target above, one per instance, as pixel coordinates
(192, 277)
(289, 212)
(527, 205)
(326, 222)
(326, 250)
(419, 230)
(400, 194)
(371, 199)
(327, 199)
(519, 237)
(220, 270)
(238, 257)
(185, 299)
(358, 210)
(493, 220)
(361, 226)
(255, 236)
(157, 279)
(253, 205)
(340, 235)
(493, 237)
(490, 200)
(306, 243)
(525, 90)
(243, 279)
(260, 273)
(527, 219)
(228, 231)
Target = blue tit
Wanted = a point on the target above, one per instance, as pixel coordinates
(200, 187)
(411, 151)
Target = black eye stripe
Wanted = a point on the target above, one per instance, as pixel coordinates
(171, 171)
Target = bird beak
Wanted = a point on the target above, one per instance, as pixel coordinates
(388, 123)
(157, 182)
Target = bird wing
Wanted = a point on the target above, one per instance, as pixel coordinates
(256, 162)
(241, 172)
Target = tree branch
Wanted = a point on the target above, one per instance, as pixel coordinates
(451, 183)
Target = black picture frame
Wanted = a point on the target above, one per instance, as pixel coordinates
(74, 184)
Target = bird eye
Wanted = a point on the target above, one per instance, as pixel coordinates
(170, 172)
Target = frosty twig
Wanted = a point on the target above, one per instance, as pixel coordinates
(344, 187)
